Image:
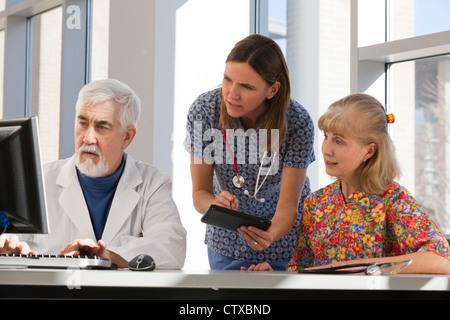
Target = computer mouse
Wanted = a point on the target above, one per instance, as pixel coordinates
(142, 262)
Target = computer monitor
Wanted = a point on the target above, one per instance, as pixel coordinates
(22, 195)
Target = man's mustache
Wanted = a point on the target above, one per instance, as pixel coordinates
(89, 148)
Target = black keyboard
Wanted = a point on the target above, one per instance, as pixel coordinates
(17, 261)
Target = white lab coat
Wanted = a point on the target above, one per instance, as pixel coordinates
(143, 217)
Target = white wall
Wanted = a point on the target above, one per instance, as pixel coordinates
(131, 59)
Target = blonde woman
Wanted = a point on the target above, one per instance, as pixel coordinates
(364, 215)
(250, 145)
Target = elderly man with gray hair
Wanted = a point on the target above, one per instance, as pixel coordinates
(103, 202)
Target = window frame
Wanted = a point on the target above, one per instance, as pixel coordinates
(374, 61)
(74, 66)
(381, 55)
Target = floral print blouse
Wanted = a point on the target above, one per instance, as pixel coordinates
(363, 226)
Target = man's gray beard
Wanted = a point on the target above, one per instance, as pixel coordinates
(88, 167)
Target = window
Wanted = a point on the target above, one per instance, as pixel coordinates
(45, 64)
(315, 38)
(2, 59)
(420, 97)
(412, 18)
(100, 40)
(2, 56)
(278, 22)
(44, 55)
(404, 19)
(402, 57)
(408, 68)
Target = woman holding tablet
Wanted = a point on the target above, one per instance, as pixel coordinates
(250, 146)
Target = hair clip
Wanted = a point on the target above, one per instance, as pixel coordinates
(390, 118)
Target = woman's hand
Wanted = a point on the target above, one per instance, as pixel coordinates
(227, 200)
(292, 182)
(265, 266)
(257, 239)
(202, 188)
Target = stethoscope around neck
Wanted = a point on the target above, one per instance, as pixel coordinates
(239, 181)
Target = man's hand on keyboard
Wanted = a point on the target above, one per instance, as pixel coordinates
(86, 247)
(89, 247)
(13, 245)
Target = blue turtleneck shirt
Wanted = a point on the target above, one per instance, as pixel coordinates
(99, 194)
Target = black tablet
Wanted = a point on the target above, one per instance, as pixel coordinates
(232, 219)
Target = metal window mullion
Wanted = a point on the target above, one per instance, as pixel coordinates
(74, 70)
(28, 66)
(15, 67)
(259, 17)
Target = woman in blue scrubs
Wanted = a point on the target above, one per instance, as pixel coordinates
(250, 147)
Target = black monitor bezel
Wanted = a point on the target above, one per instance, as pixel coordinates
(36, 221)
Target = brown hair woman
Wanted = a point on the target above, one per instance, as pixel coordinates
(250, 147)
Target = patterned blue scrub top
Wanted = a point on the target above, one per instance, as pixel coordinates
(204, 140)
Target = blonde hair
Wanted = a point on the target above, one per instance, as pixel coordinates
(364, 118)
(266, 58)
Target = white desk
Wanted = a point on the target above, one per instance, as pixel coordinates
(215, 285)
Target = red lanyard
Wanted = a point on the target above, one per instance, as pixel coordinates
(229, 150)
